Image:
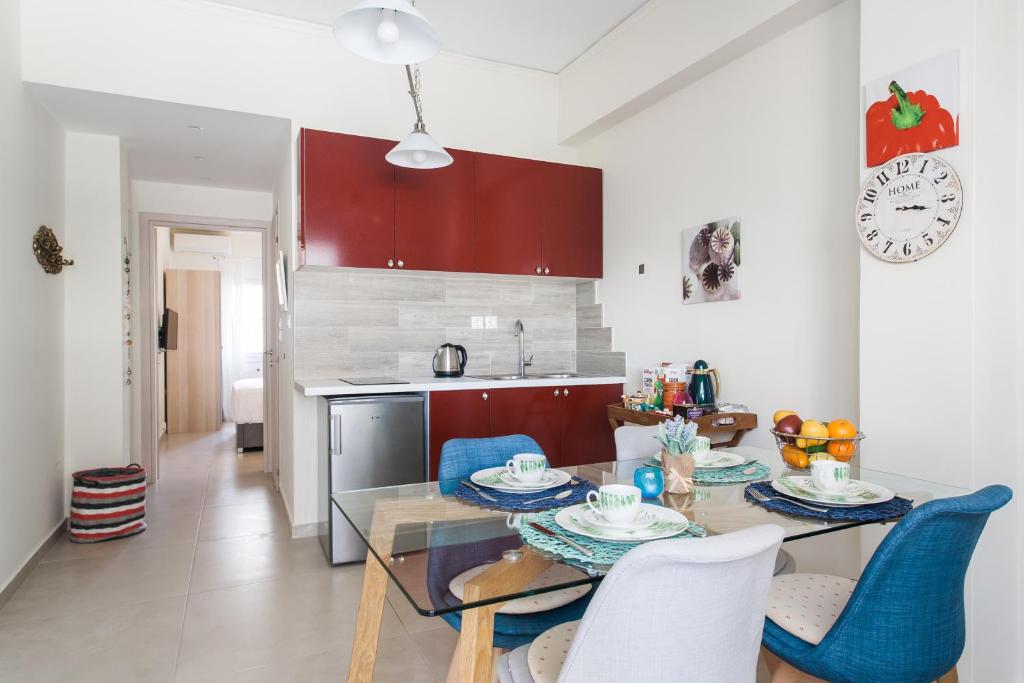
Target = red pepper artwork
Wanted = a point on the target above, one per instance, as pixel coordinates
(908, 122)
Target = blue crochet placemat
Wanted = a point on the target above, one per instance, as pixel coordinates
(516, 502)
(897, 507)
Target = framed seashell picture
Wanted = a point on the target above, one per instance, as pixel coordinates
(711, 262)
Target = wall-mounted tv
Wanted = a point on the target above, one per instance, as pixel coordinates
(168, 336)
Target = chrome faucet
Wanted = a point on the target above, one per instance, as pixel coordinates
(518, 331)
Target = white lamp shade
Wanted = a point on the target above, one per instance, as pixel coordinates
(417, 40)
(418, 150)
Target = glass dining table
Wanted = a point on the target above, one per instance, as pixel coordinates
(415, 533)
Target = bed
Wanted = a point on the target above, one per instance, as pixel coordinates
(247, 407)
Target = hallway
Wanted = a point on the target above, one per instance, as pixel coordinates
(214, 590)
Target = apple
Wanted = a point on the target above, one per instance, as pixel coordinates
(790, 424)
(779, 414)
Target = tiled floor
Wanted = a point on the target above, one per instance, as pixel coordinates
(214, 590)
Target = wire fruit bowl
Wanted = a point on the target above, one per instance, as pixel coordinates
(842, 449)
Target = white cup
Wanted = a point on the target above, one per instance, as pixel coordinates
(528, 468)
(617, 503)
(830, 475)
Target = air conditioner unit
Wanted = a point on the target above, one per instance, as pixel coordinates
(218, 245)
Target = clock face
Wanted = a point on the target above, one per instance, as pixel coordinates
(909, 207)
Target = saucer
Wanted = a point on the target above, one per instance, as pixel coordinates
(642, 521)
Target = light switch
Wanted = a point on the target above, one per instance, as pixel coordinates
(491, 322)
(477, 322)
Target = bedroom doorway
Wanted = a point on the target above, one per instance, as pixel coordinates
(209, 353)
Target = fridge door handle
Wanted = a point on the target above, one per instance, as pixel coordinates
(335, 434)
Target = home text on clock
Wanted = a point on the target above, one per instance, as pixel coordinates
(905, 188)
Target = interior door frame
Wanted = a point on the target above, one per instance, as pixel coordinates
(149, 420)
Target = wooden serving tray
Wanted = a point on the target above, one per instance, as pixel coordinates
(736, 424)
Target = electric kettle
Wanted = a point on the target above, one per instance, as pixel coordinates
(450, 361)
(702, 389)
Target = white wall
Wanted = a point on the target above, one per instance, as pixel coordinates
(939, 350)
(32, 328)
(93, 356)
(740, 142)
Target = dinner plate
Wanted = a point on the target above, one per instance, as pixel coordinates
(498, 478)
(719, 460)
(714, 460)
(643, 519)
(665, 523)
(857, 492)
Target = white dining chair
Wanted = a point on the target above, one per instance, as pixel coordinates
(673, 610)
(635, 442)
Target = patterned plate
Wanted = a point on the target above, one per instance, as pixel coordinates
(717, 460)
(856, 492)
(665, 523)
(642, 520)
(498, 478)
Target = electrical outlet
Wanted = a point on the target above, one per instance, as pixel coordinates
(491, 322)
(477, 322)
(641, 269)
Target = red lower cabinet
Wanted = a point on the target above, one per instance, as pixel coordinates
(534, 411)
(569, 423)
(587, 436)
(456, 415)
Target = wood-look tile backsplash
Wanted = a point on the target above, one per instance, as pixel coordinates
(350, 323)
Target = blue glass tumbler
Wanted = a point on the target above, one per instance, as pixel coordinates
(650, 481)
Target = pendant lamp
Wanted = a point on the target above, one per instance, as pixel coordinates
(388, 31)
(418, 149)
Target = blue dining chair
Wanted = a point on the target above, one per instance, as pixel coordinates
(459, 546)
(903, 621)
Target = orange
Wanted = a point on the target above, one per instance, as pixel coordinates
(812, 428)
(791, 455)
(803, 462)
(779, 414)
(842, 450)
(842, 429)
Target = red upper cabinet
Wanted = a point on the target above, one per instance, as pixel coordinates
(573, 221)
(434, 216)
(587, 436)
(511, 203)
(456, 415)
(534, 411)
(347, 200)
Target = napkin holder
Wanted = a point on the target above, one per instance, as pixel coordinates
(678, 470)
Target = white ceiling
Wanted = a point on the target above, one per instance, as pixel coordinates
(538, 34)
(241, 151)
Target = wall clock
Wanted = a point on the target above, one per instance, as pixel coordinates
(909, 207)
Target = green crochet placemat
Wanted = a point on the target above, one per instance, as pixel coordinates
(729, 475)
(606, 553)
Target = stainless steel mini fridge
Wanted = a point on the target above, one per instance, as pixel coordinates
(371, 441)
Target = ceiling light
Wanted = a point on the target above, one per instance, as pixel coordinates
(418, 149)
(388, 31)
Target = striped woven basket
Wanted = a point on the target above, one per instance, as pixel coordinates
(107, 503)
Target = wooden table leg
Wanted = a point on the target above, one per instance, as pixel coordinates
(371, 608)
(475, 653)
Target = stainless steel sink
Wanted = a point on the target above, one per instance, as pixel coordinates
(498, 377)
(553, 375)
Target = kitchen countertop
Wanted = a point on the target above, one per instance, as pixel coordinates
(336, 387)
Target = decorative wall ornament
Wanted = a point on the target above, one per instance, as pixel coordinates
(711, 262)
(48, 251)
